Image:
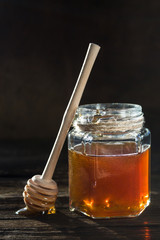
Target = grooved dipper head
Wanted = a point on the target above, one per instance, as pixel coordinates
(40, 194)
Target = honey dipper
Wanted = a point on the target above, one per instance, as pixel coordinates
(40, 193)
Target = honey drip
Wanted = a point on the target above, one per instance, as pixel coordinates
(39, 197)
(111, 185)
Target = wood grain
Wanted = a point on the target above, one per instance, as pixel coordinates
(71, 225)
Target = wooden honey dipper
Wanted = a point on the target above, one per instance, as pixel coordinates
(40, 193)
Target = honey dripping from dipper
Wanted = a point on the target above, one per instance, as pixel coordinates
(39, 197)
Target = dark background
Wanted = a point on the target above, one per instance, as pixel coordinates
(42, 47)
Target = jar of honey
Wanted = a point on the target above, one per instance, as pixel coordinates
(109, 161)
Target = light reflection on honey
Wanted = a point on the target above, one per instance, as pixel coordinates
(109, 186)
(107, 203)
(88, 203)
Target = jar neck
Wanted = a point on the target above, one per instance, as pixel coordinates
(111, 118)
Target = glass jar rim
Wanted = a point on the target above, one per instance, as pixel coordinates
(109, 108)
(109, 117)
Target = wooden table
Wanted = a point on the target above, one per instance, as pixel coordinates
(71, 225)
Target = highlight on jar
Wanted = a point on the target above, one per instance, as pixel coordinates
(109, 161)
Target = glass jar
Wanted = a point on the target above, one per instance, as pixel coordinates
(109, 161)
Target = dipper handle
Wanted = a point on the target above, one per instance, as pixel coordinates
(68, 116)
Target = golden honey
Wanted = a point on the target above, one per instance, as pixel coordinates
(109, 186)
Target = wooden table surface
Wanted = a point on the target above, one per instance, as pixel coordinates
(71, 225)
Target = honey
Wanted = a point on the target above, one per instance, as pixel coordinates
(109, 161)
(105, 186)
